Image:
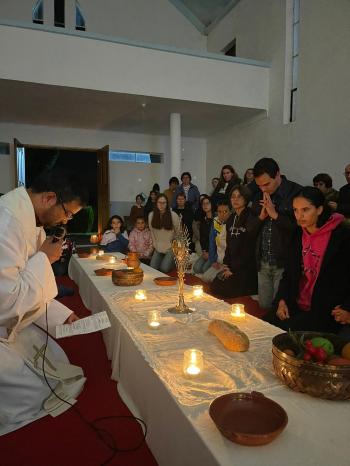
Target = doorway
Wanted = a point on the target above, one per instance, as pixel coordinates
(93, 163)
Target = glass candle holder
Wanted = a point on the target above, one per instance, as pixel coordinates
(112, 260)
(197, 291)
(193, 362)
(93, 239)
(237, 312)
(153, 319)
(141, 295)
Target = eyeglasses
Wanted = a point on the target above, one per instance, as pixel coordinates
(68, 214)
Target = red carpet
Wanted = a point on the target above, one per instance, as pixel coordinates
(66, 440)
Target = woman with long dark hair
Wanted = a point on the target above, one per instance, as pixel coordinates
(205, 223)
(228, 179)
(115, 237)
(314, 293)
(239, 275)
(164, 224)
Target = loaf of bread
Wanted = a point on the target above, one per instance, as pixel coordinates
(230, 335)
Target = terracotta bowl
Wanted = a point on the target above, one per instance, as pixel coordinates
(84, 255)
(104, 257)
(322, 381)
(103, 272)
(165, 281)
(248, 418)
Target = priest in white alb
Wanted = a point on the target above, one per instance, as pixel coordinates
(27, 292)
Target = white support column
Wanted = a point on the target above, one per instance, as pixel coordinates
(175, 144)
(70, 14)
(49, 13)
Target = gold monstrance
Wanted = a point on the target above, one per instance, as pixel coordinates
(181, 250)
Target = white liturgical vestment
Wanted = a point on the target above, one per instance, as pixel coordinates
(27, 288)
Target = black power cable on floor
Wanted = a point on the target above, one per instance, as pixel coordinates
(104, 435)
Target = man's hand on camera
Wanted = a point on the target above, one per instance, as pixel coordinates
(52, 250)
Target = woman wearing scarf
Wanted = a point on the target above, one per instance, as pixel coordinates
(314, 293)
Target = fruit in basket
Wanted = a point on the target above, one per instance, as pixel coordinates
(345, 352)
(320, 342)
(337, 361)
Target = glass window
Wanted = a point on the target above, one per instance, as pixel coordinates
(134, 157)
(38, 12)
(79, 18)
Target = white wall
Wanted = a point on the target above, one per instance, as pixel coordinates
(59, 59)
(124, 177)
(153, 21)
(318, 141)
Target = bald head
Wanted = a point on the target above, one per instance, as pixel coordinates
(347, 173)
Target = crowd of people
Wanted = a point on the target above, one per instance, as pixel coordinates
(264, 235)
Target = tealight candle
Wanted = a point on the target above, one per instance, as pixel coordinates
(153, 319)
(141, 295)
(237, 311)
(93, 239)
(112, 260)
(100, 253)
(193, 362)
(197, 291)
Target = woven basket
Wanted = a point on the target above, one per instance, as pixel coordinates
(322, 381)
(127, 277)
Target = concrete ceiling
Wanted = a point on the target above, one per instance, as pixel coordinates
(38, 104)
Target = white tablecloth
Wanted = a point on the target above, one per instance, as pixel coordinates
(147, 366)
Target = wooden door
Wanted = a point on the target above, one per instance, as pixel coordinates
(103, 187)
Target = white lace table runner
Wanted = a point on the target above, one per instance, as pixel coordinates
(224, 371)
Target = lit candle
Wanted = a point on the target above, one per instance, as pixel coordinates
(100, 253)
(193, 362)
(112, 260)
(141, 295)
(153, 319)
(237, 311)
(93, 239)
(197, 291)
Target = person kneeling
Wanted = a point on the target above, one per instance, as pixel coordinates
(314, 293)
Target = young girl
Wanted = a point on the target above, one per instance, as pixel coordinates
(239, 275)
(140, 240)
(205, 223)
(115, 238)
(163, 224)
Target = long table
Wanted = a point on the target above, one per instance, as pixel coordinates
(147, 366)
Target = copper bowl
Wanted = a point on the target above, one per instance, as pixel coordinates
(127, 277)
(248, 418)
(319, 380)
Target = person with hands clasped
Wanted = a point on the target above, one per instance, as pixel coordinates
(314, 293)
(272, 204)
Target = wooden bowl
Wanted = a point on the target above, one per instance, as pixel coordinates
(322, 381)
(103, 272)
(248, 418)
(127, 277)
(165, 281)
